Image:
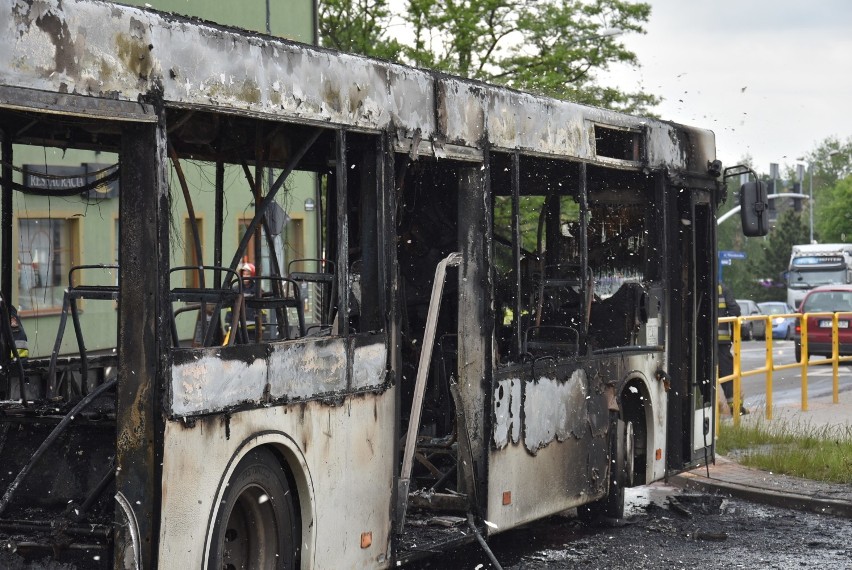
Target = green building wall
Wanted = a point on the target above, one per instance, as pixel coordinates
(92, 222)
(292, 19)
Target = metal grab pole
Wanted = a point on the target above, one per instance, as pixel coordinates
(835, 358)
(805, 357)
(735, 412)
(420, 384)
(770, 367)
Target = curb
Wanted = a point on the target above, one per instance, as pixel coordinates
(689, 481)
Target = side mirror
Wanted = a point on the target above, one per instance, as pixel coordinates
(753, 209)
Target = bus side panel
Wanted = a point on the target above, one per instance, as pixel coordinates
(343, 475)
(545, 421)
(547, 457)
(524, 488)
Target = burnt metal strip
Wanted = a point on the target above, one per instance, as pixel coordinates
(190, 212)
(584, 246)
(7, 219)
(96, 530)
(270, 197)
(273, 259)
(516, 250)
(341, 172)
(219, 214)
(68, 104)
(144, 332)
(57, 431)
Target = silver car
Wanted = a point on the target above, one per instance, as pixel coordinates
(751, 329)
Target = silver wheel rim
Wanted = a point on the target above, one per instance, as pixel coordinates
(628, 453)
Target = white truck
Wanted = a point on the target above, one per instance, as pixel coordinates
(817, 264)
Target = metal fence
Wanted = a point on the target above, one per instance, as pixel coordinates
(770, 366)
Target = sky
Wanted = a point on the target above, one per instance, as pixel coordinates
(771, 78)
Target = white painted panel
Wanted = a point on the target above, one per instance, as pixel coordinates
(304, 369)
(554, 410)
(368, 365)
(212, 383)
(342, 458)
(699, 440)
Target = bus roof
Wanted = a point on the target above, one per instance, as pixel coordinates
(116, 54)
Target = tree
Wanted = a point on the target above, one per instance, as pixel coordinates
(357, 26)
(835, 212)
(760, 276)
(790, 229)
(832, 164)
(552, 47)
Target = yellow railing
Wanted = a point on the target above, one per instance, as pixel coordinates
(769, 367)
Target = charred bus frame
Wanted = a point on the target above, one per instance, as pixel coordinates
(576, 330)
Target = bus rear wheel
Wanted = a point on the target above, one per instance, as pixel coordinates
(256, 527)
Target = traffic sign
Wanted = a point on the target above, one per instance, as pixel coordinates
(732, 255)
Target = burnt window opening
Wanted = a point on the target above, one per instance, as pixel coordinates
(539, 286)
(621, 234)
(620, 144)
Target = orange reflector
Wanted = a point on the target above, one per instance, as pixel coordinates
(366, 539)
(659, 454)
(507, 497)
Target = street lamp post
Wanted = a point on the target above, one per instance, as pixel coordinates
(810, 194)
(811, 198)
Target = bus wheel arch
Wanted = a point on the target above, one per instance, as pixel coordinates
(264, 508)
(634, 411)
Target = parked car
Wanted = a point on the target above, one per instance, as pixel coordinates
(751, 330)
(826, 299)
(782, 327)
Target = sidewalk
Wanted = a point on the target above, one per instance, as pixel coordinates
(822, 412)
(730, 478)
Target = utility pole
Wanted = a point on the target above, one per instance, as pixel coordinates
(811, 198)
(800, 168)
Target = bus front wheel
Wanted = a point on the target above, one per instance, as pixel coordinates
(256, 526)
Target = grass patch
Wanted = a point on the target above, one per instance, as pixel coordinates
(817, 453)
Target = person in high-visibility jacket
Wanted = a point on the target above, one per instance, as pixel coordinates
(19, 335)
(728, 307)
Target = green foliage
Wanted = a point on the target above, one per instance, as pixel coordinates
(357, 26)
(758, 277)
(549, 46)
(834, 212)
(832, 165)
(790, 229)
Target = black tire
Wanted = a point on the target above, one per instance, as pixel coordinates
(789, 335)
(748, 332)
(621, 465)
(257, 526)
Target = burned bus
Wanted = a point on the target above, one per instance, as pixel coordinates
(506, 308)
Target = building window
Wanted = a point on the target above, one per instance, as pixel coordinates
(45, 255)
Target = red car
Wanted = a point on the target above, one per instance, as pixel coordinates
(826, 299)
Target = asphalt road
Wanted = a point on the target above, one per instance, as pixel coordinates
(787, 385)
(667, 529)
